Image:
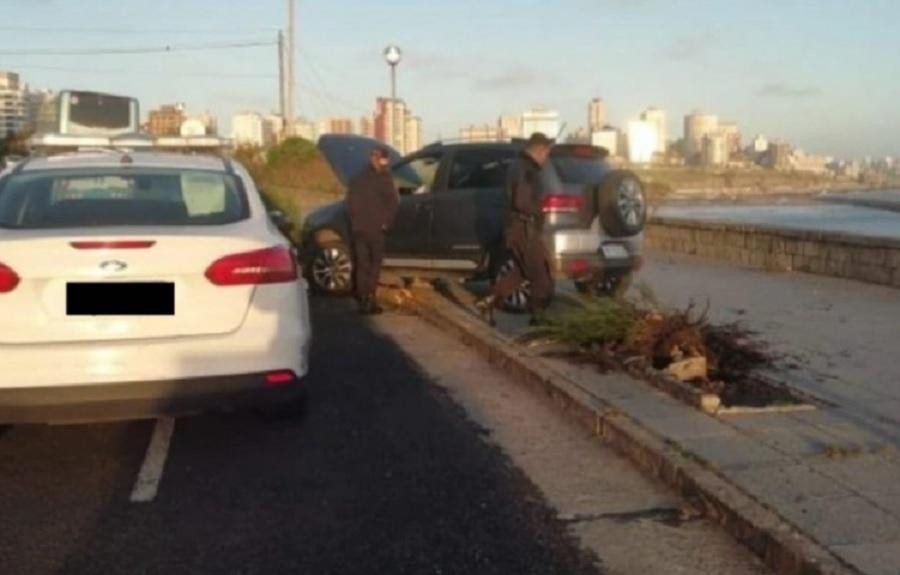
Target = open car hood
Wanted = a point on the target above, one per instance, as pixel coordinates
(348, 155)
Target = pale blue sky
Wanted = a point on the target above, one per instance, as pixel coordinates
(824, 74)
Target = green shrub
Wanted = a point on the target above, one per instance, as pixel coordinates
(606, 320)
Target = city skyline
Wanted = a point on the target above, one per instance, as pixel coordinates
(776, 72)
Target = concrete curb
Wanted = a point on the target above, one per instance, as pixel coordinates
(777, 543)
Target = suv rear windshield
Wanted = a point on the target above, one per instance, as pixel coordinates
(123, 197)
(579, 169)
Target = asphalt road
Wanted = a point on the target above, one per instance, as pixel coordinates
(385, 474)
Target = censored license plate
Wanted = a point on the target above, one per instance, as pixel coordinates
(121, 299)
(614, 252)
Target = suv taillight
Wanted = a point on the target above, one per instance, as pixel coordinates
(269, 266)
(8, 279)
(559, 203)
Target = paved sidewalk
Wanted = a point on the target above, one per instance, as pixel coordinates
(841, 337)
(833, 473)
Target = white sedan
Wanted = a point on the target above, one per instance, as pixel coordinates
(135, 284)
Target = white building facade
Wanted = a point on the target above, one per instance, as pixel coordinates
(657, 118)
(697, 126)
(540, 120)
(642, 143)
(596, 115)
(12, 104)
(251, 129)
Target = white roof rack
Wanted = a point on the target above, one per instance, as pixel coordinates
(130, 142)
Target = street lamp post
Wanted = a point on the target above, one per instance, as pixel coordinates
(393, 55)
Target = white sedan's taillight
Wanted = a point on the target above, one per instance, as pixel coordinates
(8, 279)
(268, 266)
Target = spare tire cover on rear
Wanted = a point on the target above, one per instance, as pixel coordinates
(621, 204)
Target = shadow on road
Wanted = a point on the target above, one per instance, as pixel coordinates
(383, 475)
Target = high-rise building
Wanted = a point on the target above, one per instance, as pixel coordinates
(510, 126)
(696, 127)
(480, 133)
(251, 129)
(657, 118)
(413, 135)
(305, 129)
(732, 135)
(596, 115)
(12, 104)
(777, 156)
(540, 120)
(367, 126)
(390, 122)
(607, 138)
(166, 120)
(277, 128)
(642, 142)
(335, 126)
(396, 126)
(39, 109)
(715, 149)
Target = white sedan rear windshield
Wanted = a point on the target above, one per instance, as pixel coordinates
(126, 197)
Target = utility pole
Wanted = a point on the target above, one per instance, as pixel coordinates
(281, 80)
(291, 85)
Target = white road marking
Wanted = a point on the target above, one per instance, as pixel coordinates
(148, 479)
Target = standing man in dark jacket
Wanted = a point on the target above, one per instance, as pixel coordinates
(372, 202)
(524, 224)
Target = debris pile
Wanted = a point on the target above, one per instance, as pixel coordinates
(683, 344)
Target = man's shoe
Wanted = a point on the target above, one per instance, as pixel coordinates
(486, 307)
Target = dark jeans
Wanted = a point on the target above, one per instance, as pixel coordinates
(368, 252)
(532, 264)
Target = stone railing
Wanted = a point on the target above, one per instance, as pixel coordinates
(868, 259)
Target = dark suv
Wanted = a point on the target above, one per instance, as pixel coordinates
(453, 207)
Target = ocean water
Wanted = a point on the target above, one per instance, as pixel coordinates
(820, 215)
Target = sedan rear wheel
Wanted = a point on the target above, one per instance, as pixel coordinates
(331, 269)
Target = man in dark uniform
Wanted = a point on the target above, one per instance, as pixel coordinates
(524, 224)
(372, 202)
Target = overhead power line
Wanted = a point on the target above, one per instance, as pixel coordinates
(146, 72)
(137, 50)
(131, 31)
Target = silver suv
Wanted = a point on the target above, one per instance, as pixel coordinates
(453, 207)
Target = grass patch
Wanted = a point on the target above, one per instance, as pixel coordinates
(293, 177)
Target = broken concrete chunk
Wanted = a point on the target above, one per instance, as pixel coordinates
(689, 369)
